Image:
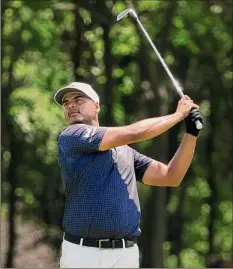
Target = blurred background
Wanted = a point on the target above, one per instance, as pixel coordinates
(47, 44)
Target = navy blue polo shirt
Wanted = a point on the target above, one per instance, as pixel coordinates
(100, 186)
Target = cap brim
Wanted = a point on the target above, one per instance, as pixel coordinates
(62, 92)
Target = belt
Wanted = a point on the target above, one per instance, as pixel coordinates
(101, 243)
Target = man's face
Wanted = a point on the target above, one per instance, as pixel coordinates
(79, 108)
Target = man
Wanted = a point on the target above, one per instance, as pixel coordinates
(99, 170)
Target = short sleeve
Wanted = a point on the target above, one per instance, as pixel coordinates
(141, 162)
(80, 138)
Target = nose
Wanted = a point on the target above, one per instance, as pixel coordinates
(70, 105)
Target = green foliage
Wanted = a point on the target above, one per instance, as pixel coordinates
(32, 116)
(126, 40)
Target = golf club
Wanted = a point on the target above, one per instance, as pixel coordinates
(175, 82)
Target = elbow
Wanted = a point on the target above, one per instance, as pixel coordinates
(175, 182)
(175, 179)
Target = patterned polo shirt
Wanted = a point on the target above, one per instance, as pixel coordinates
(100, 186)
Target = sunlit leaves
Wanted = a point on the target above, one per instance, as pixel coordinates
(90, 36)
(178, 22)
(199, 189)
(30, 110)
(118, 72)
(85, 14)
(118, 7)
(182, 37)
(10, 24)
(228, 75)
(200, 28)
(25, 13)
(205, 108)
(95, 40)
(223, 238)
(101, 79)
(128, 85)
(226, 210)
(26, 35)
(119, 114)
(95, 71)
(191, 259)
(216, 9)
(82, 72)
(29, 198)
(172, 206)
(94, 37)
(19, 192)
(202, 246)
(16, 3)
(69, 20)
(147, 5)
(126, 40)
(169, 58)
(6, 62)
(171, 261)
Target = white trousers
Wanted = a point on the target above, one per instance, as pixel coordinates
(78, 256)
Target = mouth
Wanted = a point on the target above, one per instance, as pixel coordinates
(74, 113)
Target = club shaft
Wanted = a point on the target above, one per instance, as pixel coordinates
(178, 89)
(175, 83)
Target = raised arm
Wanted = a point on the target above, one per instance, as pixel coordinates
(145, 129)
(139, 131)
(160, 174)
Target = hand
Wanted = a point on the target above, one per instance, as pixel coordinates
(190, 122)
(185, 105)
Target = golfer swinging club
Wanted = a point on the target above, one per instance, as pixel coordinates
(102, 212)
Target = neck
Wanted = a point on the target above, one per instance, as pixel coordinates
(94, 122)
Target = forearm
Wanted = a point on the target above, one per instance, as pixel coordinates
(149, 128)
(139, 131)
(182, 159)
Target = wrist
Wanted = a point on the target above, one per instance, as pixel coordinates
(193, 136)
(180, 115)
(192, 131)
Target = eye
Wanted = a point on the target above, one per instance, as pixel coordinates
(79, 101)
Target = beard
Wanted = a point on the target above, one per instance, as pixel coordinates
(77, 122)
(82, 120)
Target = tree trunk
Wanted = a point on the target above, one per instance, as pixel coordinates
(109, 97)
(10, 143)
(154, 219)
(155, 209)
(158, 230)
(15, 150)
(154, 212)
(77, 48)
(179, 223)
(213, 198)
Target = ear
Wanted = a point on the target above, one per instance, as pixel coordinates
(97, 107)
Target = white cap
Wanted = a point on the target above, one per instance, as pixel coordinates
(76, 87)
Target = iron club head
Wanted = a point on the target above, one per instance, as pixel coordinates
(125, 12)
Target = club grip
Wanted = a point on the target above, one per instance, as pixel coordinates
(198, 124)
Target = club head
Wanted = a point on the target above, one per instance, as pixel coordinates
(125, 12)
